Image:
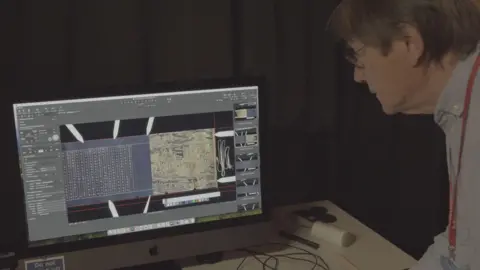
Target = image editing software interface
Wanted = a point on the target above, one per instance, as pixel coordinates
(97, 167)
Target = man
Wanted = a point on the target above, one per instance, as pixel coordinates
(422, 57)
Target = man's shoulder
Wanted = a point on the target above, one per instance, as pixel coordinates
(452, 99)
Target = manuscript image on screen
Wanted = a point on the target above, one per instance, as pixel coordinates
(183, 161)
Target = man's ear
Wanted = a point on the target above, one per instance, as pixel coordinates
(414, 43)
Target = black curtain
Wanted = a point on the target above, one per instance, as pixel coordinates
(58, 44)
(330, 138)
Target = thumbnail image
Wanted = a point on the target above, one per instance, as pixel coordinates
(225, 159)
(248, 207)
(245, 111)
(246, 137)
(247, 182)
(247, 157)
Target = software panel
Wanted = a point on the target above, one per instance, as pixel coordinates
(97, 167)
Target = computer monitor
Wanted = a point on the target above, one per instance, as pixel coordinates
(138, 166)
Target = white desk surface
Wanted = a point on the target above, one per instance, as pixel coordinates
(369, 252)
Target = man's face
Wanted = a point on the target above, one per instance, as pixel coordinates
(393, 78)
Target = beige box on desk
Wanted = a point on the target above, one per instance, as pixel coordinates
(324, 230)
(332, 234)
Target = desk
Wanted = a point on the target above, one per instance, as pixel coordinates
(369, 252)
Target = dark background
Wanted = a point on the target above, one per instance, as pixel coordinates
(330, 136)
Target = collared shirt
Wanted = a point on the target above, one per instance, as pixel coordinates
(448, 116)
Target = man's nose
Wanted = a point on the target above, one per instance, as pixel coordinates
(359, 75)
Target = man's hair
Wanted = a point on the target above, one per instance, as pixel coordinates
(446, 26)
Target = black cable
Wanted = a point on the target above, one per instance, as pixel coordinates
(265, 264)
(241, 263)
(255, 254)
(304, 250)
(289, 256)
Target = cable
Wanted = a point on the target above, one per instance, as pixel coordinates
(289, 256)
(241, 263)
(315, 263)
(254, 254)
(326, 266)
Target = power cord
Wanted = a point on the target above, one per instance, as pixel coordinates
(255, 255)
(318, 262)
(318, 258)
(314, 263)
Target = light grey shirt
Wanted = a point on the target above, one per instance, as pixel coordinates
(448, 116)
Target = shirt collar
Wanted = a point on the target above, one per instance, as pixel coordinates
(452, 98)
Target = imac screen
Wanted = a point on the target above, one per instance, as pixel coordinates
(98, 167)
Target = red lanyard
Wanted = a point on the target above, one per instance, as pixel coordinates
(452, 216)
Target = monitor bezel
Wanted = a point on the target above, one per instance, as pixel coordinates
(25, 251)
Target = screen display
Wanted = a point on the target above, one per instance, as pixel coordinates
(115, 165)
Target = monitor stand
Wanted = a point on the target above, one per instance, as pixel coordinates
(166, 265)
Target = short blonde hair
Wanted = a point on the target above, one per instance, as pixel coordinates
(446, 26)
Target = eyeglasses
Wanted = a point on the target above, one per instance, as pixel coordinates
(352, 56)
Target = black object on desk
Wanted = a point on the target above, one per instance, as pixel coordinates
(299, 239)
(316, 213)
